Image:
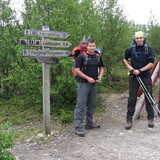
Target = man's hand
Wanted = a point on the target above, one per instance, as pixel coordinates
(136, 72)
(99, 79)
(90, 80)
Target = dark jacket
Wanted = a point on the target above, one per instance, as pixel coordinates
(91, 69)
(140, 56)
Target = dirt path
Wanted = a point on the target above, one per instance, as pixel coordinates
(110, 142)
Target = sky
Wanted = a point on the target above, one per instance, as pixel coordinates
(139, 10)
(135, 10)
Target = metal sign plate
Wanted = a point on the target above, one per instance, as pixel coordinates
(49, 34)
(45, 43)
(60, 44)
(46, 53)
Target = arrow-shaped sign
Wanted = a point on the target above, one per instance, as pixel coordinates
(45, 43)
(47, 53)
(60, 44)
(49, 34)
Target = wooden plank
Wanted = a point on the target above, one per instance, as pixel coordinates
(47, 53)
(49, 34)
(45, 43)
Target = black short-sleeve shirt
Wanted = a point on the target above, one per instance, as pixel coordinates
(93, 64)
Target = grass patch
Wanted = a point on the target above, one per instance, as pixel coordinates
(22, 117)
(66, 116)
(28, 132)
(27, 119)
(18, 115)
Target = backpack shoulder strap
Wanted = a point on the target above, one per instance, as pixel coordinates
(133, 48)
(98, 56)
(85, 55)
(146, 48)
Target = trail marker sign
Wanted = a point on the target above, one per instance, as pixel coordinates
(45, 43)
(47, 57)
(60, 44)
(46, 53)
(49, 34)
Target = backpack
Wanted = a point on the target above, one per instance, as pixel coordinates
(82, 49)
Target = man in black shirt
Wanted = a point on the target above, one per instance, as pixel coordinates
(88, 76)
(142, 59)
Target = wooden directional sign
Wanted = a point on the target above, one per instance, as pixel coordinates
(49, 34)
(45, 43)
(46, 59)
(47, 53)
(60, 44)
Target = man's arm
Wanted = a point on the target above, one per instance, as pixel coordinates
(147, 67)
(129, 67)
(101, 72)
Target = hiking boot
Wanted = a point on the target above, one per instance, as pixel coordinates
(93, 126)
(128, 125)
(80, 133)
(150, 123)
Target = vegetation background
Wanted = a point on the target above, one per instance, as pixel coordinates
(21, 77)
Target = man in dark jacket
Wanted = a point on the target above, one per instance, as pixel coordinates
(142, 59)
(88, 77)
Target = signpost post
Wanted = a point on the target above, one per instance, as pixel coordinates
(46, 92)
(159, 85)
(47, 57)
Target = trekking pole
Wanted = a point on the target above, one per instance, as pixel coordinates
(148, 95)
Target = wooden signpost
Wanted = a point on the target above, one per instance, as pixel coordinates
(47, 57)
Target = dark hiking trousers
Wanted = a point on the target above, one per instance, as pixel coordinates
(86, 103)
(133, 91)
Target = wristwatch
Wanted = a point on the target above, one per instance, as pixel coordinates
(141, 70)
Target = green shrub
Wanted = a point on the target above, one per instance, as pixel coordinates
(64, 89)
(6, 141)
(66, 117)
